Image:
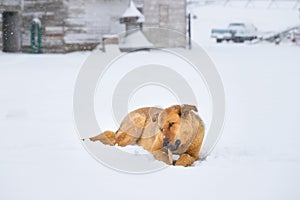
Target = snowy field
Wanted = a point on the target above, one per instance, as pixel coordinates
(258, 156)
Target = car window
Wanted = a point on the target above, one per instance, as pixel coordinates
(237, 26)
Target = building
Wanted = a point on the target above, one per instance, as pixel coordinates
(71, 25)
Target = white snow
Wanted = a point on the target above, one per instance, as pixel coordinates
(41, 156)
(37, 21)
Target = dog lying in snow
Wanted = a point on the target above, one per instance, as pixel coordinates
(163, 132)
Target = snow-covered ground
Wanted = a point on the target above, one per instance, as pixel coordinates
(257, 157)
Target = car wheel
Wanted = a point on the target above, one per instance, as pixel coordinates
(239, 40)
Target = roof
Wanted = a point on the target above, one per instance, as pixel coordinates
(135, 40)
(132, 11)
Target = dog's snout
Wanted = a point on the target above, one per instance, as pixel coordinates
(172, 147)
(165, 143)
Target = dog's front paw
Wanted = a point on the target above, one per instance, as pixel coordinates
(164, 155)
(185, 160)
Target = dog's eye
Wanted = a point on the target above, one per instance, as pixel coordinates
(171, 124)
(161, 129)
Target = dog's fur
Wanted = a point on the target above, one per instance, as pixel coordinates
(163, 132)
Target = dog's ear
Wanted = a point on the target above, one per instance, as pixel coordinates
(174, 109)
(185, 109)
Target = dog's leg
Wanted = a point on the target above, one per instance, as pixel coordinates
(131, 128)
(160, 153)
(192, 153)
(108, 137)
(164, 155)
(158, 143)
(123, 139)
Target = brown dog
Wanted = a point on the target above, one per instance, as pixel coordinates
(163, 132)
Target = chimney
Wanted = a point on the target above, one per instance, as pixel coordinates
(132, 18)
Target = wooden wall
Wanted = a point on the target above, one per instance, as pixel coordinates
(170, 15)
(70, 25)
(8, 5)
(52, 14)
(88, 20)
